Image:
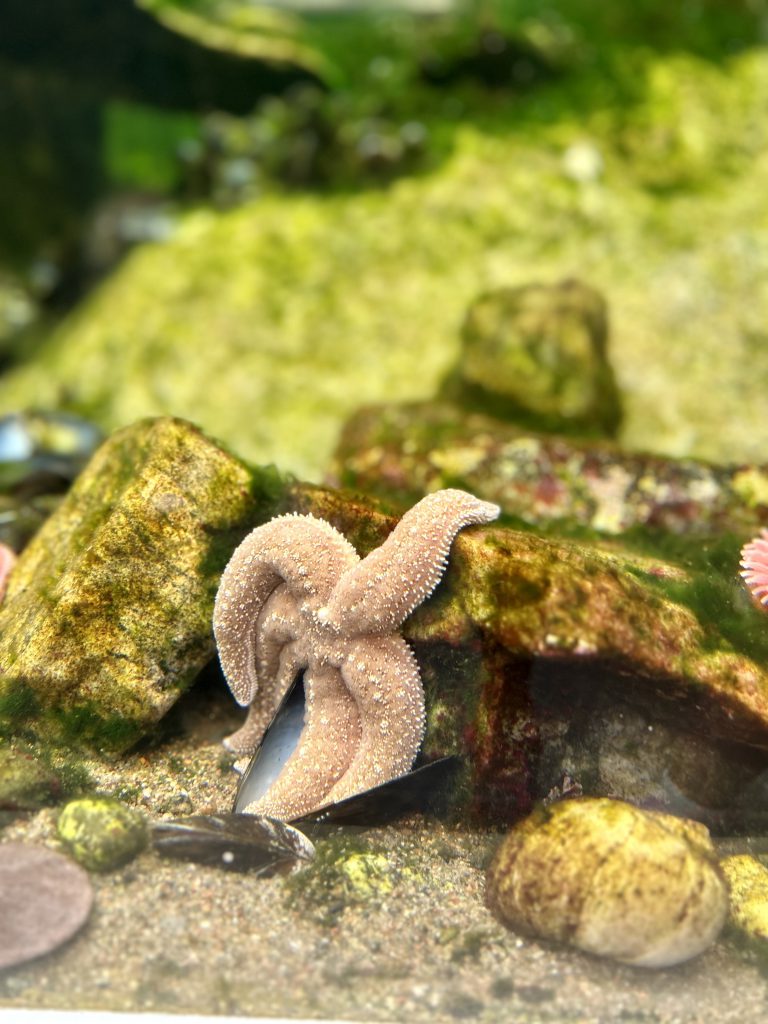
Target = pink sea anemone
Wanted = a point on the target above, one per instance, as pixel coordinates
(754, 559)
(7, 562)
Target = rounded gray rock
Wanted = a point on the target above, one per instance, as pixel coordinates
(44, 900)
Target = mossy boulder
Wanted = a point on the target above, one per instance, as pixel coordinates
(107, 617)
(546, 658)
(641, 887)
(101, 833)
(538, 354)
(318, 302)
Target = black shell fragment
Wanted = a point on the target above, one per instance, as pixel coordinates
(420, 791)
(236, 842)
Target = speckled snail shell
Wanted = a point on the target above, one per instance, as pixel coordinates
(641, 887)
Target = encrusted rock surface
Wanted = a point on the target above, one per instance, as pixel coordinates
(107, 616)
(400, 452)
(640, 887)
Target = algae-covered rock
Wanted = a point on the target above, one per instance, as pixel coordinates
(102, 833)
(366, 875)
(538, 354)
(25, 782)
(318, 302)
(401, 452)
(346, 871)
(748, 883)
(640, 887)
(530, 644)
(107, 618)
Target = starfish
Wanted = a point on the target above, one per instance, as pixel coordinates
(296, 597)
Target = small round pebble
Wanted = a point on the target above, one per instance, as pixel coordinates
(44, 900)
(641, 887)
(101, 833)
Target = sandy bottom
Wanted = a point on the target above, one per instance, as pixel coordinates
(178, 937)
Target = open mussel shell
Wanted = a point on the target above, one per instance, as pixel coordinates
(236, 842)
(278, 743)
(423, 790)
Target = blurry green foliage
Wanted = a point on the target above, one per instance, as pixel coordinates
(351, 43)
(141, 144)
(251, 30)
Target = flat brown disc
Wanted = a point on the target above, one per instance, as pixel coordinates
(44, 899)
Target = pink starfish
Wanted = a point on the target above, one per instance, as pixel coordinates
(754, 560)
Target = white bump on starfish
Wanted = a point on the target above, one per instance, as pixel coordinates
(294, 597)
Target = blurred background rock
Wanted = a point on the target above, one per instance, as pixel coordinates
(261, 216)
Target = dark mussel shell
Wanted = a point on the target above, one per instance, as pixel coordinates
(236, 842)
(421, 791)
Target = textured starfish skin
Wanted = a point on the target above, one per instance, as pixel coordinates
(296, 596)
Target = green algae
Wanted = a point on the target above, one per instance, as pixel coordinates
(670, 230)
(349, 869)
(709, 586)
(101, 833)
(108, 616)
(320, 888)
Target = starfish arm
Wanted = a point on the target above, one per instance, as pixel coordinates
(382, 675)
(289, 662)
(330, 736)
(381, 591)
(278, 624)
(306, 554)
